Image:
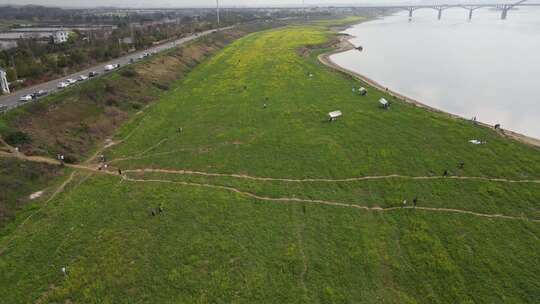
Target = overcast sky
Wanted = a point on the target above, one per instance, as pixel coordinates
(198, 3)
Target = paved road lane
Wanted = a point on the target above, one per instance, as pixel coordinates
(12, 100)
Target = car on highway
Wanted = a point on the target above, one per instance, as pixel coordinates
(71, 81)
(110, 67)
(39, 93)
(25, 98)
(93, 74)
(63, 85)
(82, 78)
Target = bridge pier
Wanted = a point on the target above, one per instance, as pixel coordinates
(440, 13)
(504, 12)
(470, 13)
(411, 10)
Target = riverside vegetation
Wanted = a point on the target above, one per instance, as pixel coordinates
(264, 201)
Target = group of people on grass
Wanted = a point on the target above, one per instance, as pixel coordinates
(103, 164)
(415, 201)
(446, 173)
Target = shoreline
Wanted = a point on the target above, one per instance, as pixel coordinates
(344, 45)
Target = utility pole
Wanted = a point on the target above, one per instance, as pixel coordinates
(13, 64)
(304, 8)
(131, 30)
(217, 11)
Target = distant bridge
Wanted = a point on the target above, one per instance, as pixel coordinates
(504, 8)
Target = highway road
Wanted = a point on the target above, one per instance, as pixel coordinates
(11, 101)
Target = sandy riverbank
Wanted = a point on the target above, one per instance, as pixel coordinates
(345, 45)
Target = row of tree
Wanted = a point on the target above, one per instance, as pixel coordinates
(35, 61)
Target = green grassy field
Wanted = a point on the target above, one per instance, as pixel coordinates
(268, 216)
(18, 180)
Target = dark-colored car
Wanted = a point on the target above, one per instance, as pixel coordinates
(93, 74)
(39, 93)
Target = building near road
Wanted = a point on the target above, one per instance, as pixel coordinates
(9, 39)
(4, 85)
(60, 37)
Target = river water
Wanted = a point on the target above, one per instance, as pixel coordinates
(488, 67)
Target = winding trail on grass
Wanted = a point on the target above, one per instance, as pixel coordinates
(329, 203)
(351, 179)
(124, 177)
(51, 161)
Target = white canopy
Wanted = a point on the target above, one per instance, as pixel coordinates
(383, 101)
(335, 114)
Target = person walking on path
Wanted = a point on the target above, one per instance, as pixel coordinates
(404, 203)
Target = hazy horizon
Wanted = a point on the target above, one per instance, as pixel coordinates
(230, 3)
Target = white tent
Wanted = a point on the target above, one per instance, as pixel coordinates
(362, 91)
(384, 103)
(334, 115)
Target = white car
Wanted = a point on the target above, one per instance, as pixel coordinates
(144, 55)
(82, 78)
(63, 85)
(25, 98)
(71, 81)
(111, 67)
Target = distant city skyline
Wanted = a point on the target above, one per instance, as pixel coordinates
(211, 3)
